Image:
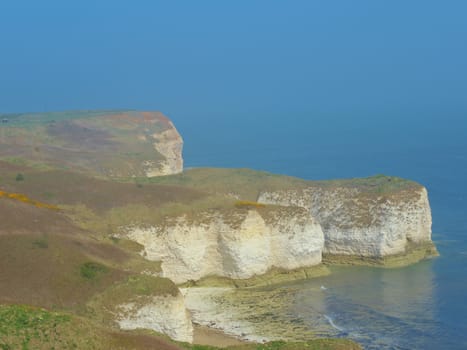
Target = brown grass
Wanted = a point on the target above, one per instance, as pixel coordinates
(64, 187)
(21, 218)
(45, 270)
(248, 204)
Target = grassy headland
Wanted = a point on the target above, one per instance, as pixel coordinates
(61, 211)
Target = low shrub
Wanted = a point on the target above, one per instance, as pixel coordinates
(90, 270)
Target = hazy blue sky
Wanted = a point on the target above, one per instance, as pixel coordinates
(351, 61)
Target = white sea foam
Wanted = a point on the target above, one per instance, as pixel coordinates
(331, 322)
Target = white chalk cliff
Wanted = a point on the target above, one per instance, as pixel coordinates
(232, 243)
(361, 223)
(169, 144)
(165, 314)
(294, 232)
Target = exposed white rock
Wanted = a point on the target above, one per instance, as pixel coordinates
(209, 307)
(169, 144)
(237, 243)
(356, 223)
(165, 314)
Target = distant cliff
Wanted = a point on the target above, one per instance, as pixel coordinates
(99, 143)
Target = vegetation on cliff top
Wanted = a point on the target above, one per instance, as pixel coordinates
(247, 184)
(380, 184)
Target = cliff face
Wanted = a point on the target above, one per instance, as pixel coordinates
(236, 243)
(169, 144)
(165, 314)
(362, 223)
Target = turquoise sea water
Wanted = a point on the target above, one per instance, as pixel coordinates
(423, 306)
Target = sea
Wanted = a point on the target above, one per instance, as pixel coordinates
(423, 306)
